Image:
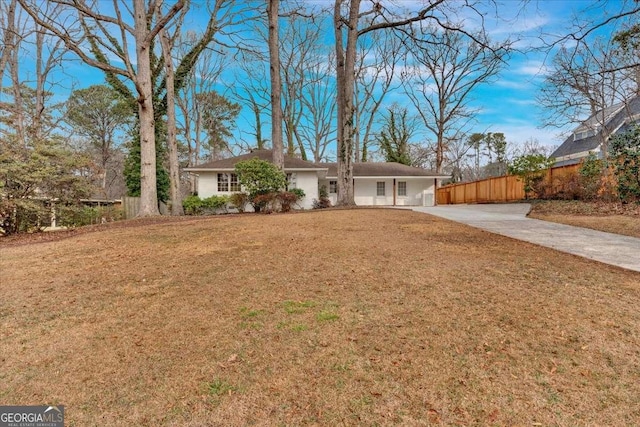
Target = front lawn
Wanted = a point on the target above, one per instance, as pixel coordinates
(346, 317)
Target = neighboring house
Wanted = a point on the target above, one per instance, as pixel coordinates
(375, 184)
(588, 137)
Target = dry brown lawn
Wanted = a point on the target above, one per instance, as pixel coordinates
(609, 217)
(353, 317)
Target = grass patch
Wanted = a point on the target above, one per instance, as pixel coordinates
(327, 316)
(297, 307)
(220, 387)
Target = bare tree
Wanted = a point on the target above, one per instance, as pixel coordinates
(8, 34)
(299, 46)
(350, 23)
(200, 79)
(588, 74)
(251, 89)
(375, 78)
(32, 122)
(113, 33)
(579, 84)
(317, 130)
(442, 73)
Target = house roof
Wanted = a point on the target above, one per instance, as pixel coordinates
(616, 119)
(371, 169)
(290, 163)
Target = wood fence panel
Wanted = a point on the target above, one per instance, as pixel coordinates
(131, 206)
(506, 188)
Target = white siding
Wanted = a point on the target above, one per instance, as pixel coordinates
(308, 182)
(208, 184)
(365, 191)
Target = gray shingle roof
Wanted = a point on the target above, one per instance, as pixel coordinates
(289, 162)
(382, 169)
(617, 116)
(359, 169)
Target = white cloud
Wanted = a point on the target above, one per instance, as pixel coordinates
(532, 68)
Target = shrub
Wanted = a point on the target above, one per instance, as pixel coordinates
(531, 169)
(194, 205)
(23, 215)
(262, 180)
(239, 201)
(286, 199)
(77, 216)
(567, 187)
(299, 192)
(323, 200)
(264, 202)
(591, 177)
(625, 155)
(260, 177)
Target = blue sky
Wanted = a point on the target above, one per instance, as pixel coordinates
(506, 105)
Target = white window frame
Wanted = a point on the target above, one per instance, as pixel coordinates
(381, 190)
(333, 187)
(404, 185)
(230, 183)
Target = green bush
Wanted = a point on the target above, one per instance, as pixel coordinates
(194, 205)
(299, 192)
(625, 156)
(78, 216)
(531, 169)
(23, 215)
(260, 178)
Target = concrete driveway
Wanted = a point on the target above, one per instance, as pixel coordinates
(510, 220)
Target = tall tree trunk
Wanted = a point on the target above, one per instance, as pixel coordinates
(345, 73)
(276, 85)
(148, 192)
(259, 139)
(172, 143)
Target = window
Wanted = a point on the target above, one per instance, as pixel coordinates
(402, 188)
(223, 182)
(228, 182)
(333, 187)
(234, 184)
(380, 188)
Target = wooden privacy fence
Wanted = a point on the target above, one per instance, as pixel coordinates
(131, 206)
(499, 189)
